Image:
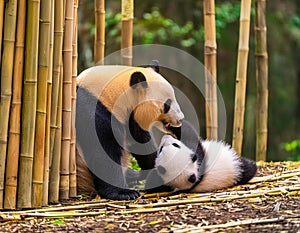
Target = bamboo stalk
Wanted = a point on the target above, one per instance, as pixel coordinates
(57, 59)
(56, 158)
(29, 104)
(40, 128)
(99, 43)
(48, 110)
(210, 62)
(127, 25)
(261, 55)
(73, 184)
(55, 117)
(12, 161)
(241, 76)
(7, 65)
(2, 4)
(67, 102)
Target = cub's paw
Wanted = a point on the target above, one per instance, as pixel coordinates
(121, 194)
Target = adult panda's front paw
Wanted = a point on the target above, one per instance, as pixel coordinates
(120, 194)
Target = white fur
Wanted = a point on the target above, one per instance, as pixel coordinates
(222, 166)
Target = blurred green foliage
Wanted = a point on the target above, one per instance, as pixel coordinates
(293, 148)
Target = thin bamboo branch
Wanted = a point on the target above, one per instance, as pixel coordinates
(15, 114)
(261, 56)
(127, 25)
(10, 21)
(73, 185)
(229, 224)
(210, 62)
(29, 104)
(241, 76)
(99, 43)
(67, 102)
(48, 110)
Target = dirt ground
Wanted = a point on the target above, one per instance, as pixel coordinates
(270, 203)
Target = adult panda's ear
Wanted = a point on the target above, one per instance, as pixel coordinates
(154, 65)
(138, 78)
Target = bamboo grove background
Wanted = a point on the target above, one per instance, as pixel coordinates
(38, 94)
(38, 91)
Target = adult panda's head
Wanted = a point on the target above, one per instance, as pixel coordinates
(146, 95)
(176, 167)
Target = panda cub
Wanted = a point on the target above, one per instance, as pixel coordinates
(207, 166)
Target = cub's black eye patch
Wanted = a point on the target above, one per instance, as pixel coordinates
(176, 145)
(194, 157)
(160, 149)
(167, 105)
(161, 170)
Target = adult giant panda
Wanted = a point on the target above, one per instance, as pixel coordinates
(115, 108)
(194, 165)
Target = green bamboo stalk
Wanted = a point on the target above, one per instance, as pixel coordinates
(210, 62)
(6, 84)
(48, 110)
(67, 102)
(40, 128)
(127, 25)
(73, 183)
(12, 161)
(241, 77)
(29, 104)
(261, 56)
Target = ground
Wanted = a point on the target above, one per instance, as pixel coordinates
(270, 203)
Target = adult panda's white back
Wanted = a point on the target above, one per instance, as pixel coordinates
(222, 167)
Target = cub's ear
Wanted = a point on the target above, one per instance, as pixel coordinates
(154, 65)
(136, 78)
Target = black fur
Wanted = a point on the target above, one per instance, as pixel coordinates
(154, 65)
(138, 78)
(249, 170)
(167, 105)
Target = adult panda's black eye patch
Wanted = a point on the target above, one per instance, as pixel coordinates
(194, 157)
(176, 145)
(167, 105)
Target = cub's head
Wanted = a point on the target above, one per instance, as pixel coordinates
(177, 166)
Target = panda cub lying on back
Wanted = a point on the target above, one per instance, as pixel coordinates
(193, 165)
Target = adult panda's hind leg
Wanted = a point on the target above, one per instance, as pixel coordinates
(248, 168)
